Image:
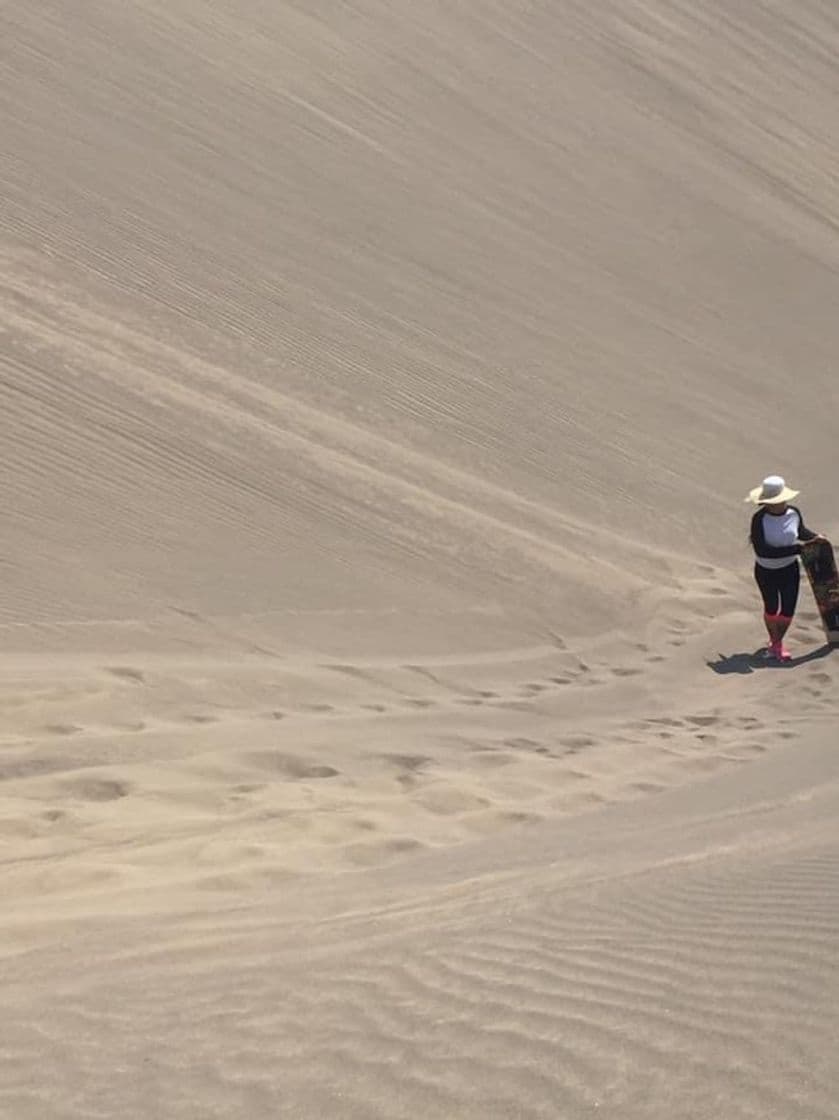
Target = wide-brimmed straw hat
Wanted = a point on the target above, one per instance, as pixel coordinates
(773, 491)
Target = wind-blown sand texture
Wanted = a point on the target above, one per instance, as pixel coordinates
(382, 731)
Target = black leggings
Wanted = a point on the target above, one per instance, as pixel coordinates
(779, 588)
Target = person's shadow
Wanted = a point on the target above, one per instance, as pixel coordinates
(751, 662)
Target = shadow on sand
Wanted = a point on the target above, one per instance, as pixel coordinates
(751, 662)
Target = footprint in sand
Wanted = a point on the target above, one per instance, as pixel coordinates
(489, 758)
(98, 789)
(126, 673)
(494, 820)
(29, 768)
(351, 671)
(290, 766)
(412, 762)
(408, 767)
(526, 745)
(573, 743)
(576, 775)
(364, 825)
(708, 763)
(519, 816)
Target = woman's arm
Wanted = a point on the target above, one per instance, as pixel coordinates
(805, 534)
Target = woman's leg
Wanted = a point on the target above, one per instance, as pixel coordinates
(788, 590)
(767, 581)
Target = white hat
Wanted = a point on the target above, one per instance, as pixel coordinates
(773, 491)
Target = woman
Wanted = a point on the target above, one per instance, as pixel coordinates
(777, 535)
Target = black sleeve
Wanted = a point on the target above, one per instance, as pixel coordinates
(804, 534)
(769, 551)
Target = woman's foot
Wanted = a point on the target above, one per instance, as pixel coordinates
(784, 621)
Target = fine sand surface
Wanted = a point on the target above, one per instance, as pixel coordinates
(382, 733)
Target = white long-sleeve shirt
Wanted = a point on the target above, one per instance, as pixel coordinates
(775, 537)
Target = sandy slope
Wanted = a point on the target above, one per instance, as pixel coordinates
(381, 733)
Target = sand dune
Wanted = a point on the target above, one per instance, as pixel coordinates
(383, 730)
